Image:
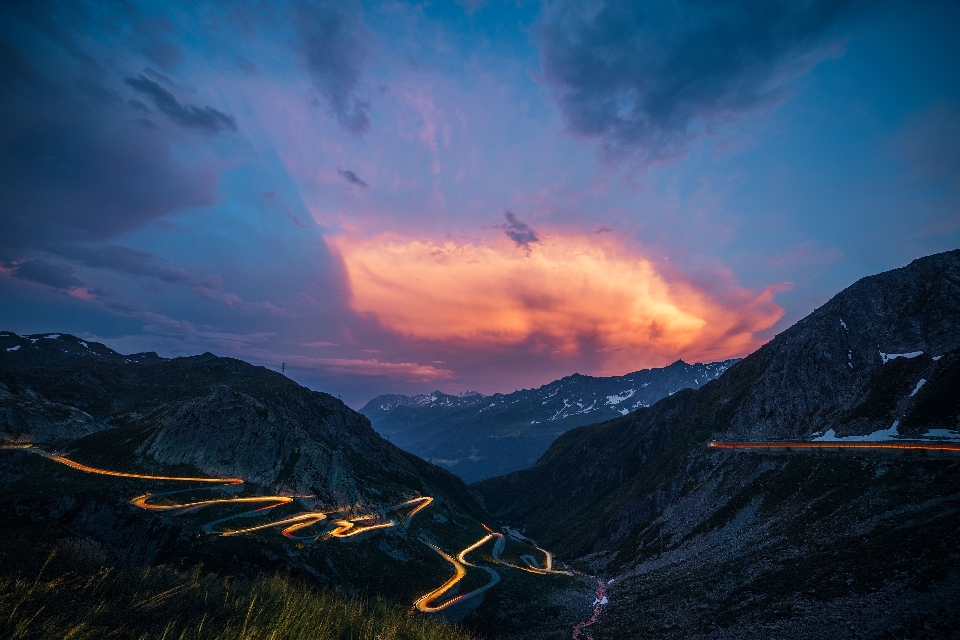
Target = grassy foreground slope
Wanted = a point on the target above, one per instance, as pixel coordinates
(163, 603)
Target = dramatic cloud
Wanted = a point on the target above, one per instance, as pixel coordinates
(332, 43)
(142, 263)
(410, 371)
(75, 162)
(519, 231)
(569, 293)
(205, 119)
(352, 178)
(169, 171)
(58, 276)
(645, 77)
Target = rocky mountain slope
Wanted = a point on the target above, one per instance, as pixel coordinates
(325, 500)
(740, 544)
(220, 416)
(477, 436)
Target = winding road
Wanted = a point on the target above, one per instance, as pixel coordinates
(460, 565)
(342, 528)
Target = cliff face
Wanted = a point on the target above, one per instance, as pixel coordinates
(879, 336)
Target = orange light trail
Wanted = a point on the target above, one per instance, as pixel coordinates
(259, 527)
(121, 474)
(530, 568)
(141, 501)
(916, 446)
(341, 528)
(349, 528)
(424, 503)
(304, 520)
(460, 565)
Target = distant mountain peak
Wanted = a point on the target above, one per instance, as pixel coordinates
(464, 432)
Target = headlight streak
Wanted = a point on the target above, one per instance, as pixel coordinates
(529, 560)
(343, 528)
(424, 503)
(460, 565)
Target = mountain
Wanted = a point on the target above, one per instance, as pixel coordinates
(220, 416)
(206, 416)
(477, 436)
(129, 465)
(741, 543)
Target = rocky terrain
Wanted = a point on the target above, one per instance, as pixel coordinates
(739, 544)
(205, 416)
(694, 541)
(478, 437)
(220, 416)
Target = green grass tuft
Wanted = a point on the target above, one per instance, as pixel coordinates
(148, 603)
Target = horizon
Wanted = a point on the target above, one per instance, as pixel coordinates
(359, 404)
(479, 196)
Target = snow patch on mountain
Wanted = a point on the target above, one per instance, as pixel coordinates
(876, 436)
(887, 357)
(617, 399)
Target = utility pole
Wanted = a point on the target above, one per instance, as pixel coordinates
(283, 367)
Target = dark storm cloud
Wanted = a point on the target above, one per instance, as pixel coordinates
(352, 178)
(141, 263)
(75, 163)
(642, 77)
(519, 231)
(58, 276)
(332, 43)
(206, 119)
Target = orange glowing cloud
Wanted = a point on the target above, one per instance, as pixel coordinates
(346, 366)
(564, 293)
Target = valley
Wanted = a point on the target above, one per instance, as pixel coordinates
(812, 487)
(478, 437)
(778, 500)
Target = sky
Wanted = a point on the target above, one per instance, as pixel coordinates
(397, 197)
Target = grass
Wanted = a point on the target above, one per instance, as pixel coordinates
(161, 603)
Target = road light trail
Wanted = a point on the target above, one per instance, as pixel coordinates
(118, 474)
(531, 567)
(306, 520)
(460, 565)
(891, 446)
(142, 501)
(424, 503)
(344, 528)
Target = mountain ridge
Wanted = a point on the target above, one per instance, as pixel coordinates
(212, 464)
(478, 436)
(643, 497)
(222, 416)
